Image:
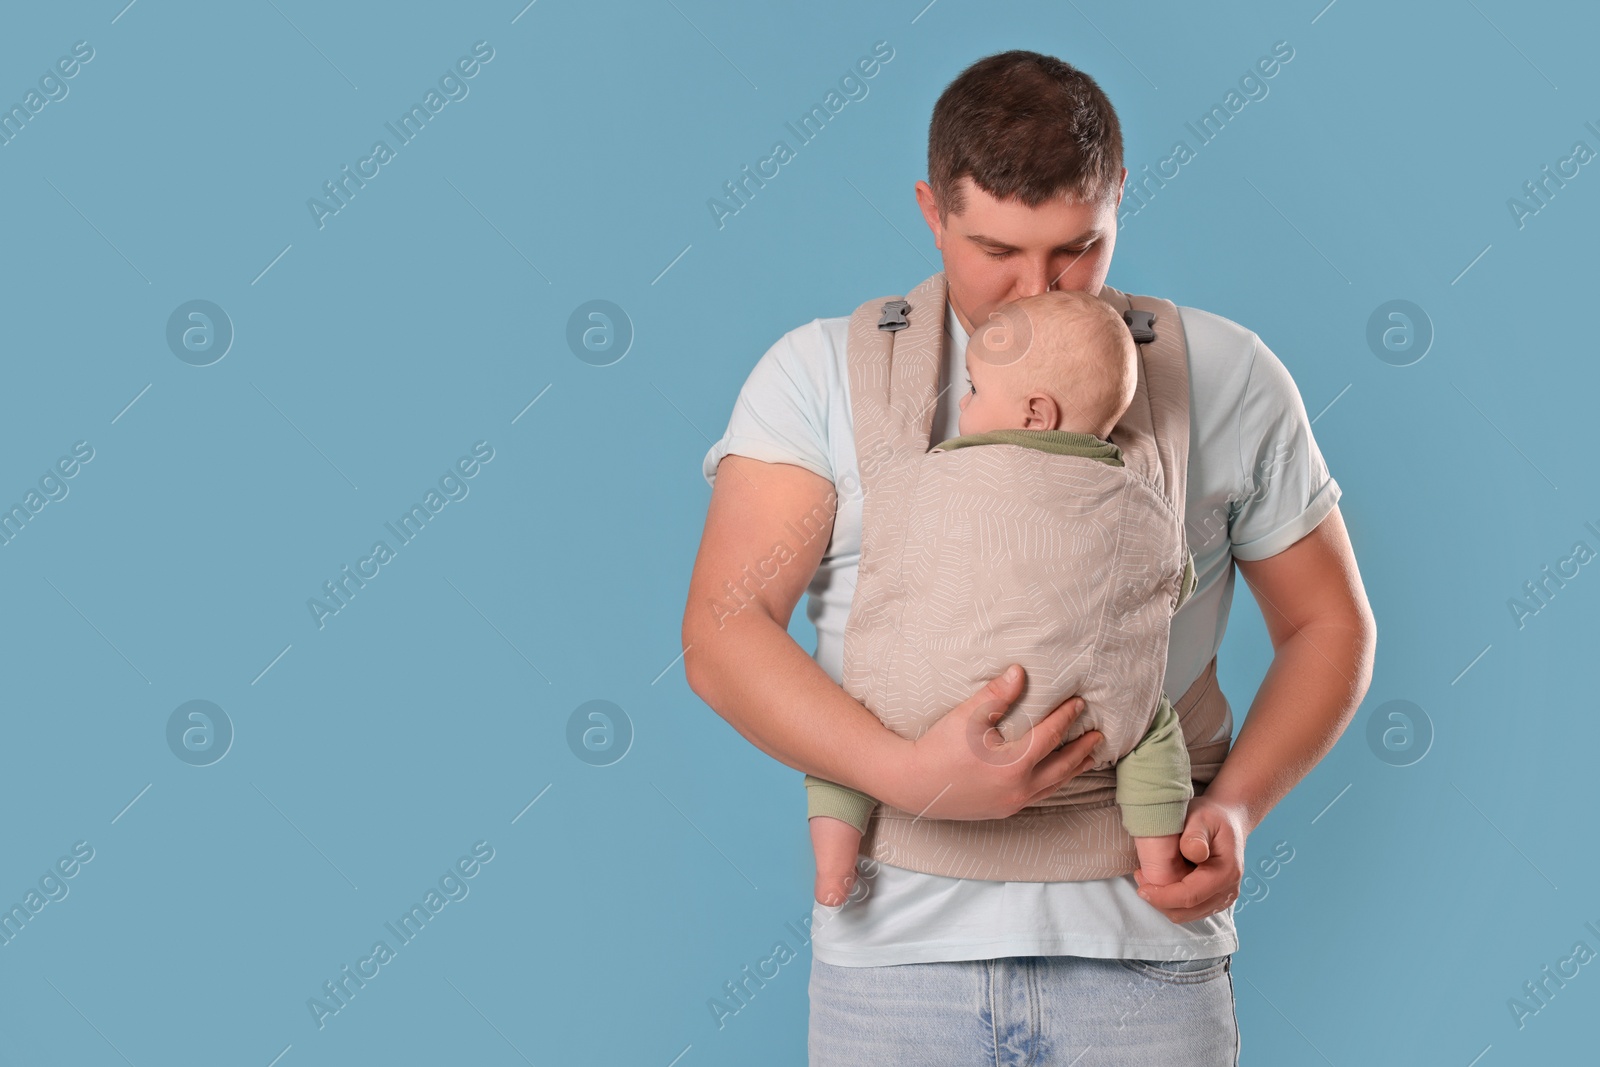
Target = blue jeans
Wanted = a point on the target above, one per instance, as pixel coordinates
(1025, 1011)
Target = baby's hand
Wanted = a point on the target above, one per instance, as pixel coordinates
(1160, 862)
(835, 843)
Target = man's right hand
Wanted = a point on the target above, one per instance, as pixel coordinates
(962, 768)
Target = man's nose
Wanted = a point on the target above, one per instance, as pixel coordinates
(1035, 279)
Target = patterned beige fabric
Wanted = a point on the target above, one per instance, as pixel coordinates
(979, 557)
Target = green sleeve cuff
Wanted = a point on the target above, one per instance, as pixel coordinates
(841, 802)
(1154, 820)
(1190, 579)
(1153, 785)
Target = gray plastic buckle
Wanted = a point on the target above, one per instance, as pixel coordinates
(1142, 324)
(894, 315)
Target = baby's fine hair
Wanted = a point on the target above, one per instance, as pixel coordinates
(1081, 353)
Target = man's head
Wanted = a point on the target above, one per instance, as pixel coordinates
(1024, 178)
(1061, 360)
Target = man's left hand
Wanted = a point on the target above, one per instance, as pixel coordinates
(1213, 840)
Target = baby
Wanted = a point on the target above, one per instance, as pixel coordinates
(1054, 372)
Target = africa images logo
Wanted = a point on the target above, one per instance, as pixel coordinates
(453, 86)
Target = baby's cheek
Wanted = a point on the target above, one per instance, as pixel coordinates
(971, 415)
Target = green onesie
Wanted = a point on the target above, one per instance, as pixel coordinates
(1153, 786)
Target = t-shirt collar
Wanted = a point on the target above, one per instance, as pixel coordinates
(953, 327)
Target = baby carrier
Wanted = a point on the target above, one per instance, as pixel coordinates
(979, 557)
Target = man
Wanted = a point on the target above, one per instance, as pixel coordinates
(1025, 176)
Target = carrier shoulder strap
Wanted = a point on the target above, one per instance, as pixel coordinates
(894, 366)
(1156, 424)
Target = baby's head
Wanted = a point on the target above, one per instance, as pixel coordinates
(1061, 360)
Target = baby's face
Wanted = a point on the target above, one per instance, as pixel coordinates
(992, 400)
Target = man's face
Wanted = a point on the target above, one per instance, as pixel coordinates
(997, 251)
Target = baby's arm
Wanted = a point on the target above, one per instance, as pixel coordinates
(838, 817)
(1153, 790)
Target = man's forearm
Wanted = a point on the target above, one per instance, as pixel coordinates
(1317, 680)
(753, 674)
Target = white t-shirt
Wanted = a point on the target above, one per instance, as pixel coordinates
(1257, 484)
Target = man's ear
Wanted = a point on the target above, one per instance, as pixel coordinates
(930, 213)
(1042, 412)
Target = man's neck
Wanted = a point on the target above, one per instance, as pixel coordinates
(961, 316)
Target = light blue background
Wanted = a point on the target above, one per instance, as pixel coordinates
(429, 312)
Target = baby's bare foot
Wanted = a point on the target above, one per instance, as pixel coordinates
(835, 843)
(834, 889)
(1164, 872)
(1160, 862)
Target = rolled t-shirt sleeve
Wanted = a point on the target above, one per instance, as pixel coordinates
(780, 415)
(1285, 488)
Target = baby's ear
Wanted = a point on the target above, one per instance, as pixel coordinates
(1043, 413)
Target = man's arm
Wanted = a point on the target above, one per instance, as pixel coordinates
(1323, 639)
(740, 659)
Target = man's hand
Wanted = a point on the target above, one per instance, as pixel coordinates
(962, 768)
(1213, 840)
(1323, 636)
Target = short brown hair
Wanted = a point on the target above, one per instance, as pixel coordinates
(1024, 126)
